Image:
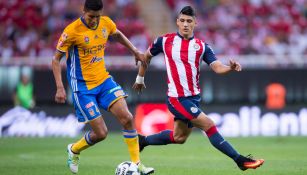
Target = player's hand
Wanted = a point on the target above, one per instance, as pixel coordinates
(139, 87)
(139, 56)
(235, 65)
(60, 96)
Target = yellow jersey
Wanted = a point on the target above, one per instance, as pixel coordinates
(84, 48)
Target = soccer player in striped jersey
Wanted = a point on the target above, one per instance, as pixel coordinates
(183, 53)
(84, 41)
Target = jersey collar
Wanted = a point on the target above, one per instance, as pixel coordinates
(183, 38)
(83, 21)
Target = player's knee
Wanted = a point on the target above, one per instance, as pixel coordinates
(180, 139)
(127, 121)
(101, 135)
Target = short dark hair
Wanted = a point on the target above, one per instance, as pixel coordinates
(187, 10)
(94, 5)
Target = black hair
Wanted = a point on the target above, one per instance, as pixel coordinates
(94, 5)
(188, 10)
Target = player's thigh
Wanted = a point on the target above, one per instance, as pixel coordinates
(184, 109)
(86, 106)
(181, 129)
(203, 122)
(110, 93)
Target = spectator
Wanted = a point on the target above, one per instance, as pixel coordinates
(276, 96)
(24, 92)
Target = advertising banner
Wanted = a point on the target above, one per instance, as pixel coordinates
(244, 121)
(151, 118)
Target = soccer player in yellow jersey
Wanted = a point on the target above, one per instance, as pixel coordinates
(84, 42)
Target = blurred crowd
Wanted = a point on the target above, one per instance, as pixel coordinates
(32, 27)
(274, 27)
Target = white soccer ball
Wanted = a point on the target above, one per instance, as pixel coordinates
(127, 168)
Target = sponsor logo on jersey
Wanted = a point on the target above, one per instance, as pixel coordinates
(63, 39)
(90, 104)
(96, 59)
(93, 50)
(61, 43)
(64, 36)
(119, 93)
(114, 89)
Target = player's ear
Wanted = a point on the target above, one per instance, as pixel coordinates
(177, 22)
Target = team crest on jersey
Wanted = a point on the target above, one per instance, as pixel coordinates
(196, 46)
(104, 33)
(96, 36)
(86, 39)
(194, 110)
(91, 112)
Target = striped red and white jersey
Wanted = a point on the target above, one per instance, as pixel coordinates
(182, 59)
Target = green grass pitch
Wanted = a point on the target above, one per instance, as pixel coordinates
(47, 156)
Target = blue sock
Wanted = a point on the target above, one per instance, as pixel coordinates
(163, 138)
(221, 144)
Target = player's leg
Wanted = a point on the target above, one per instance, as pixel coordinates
(181, 132)
(177, 136)
(207, 125)
(120, 110)
(87, 111)
(182, 126)
(216, 139)
(112, 98)
(98, 133)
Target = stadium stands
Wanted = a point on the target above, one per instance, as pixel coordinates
(31, 28)
(235, 27)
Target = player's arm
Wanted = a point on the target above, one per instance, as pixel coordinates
(65, 42)
(121, 38)
(139, 84)
(154, 49)
(60, 96)
(220, 68)
(216, 65)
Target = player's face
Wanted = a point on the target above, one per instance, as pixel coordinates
(92, 18)
(186, 25)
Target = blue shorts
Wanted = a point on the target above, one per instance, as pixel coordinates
(87, 103)
(184, 108)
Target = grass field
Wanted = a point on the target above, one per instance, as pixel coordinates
(38, 156)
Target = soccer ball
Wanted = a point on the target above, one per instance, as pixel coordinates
(127, 168)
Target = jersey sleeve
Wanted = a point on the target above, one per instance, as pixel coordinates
(156, 47)
(66, 40)
(209, 56)
(111, 25)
